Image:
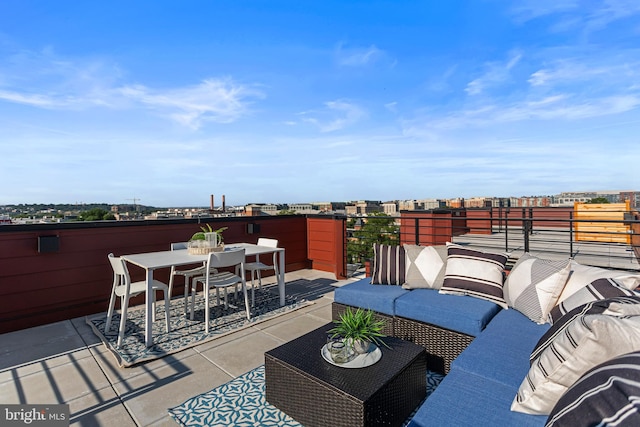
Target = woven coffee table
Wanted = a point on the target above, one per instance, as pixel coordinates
(316, 393)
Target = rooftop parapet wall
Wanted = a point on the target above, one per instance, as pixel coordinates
(75, 278)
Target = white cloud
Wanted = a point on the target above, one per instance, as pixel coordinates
(356, 57)
(588, 15)
(496, 74)
(335, 116)
(526, 10)
(46, 80)
(213, 100)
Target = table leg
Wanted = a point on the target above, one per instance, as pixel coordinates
(281, 278)
(148, 324)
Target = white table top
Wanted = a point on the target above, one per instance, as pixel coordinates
(161, 259)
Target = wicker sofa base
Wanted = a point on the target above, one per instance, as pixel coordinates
(442, 345)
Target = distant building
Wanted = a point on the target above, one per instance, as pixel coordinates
(301, 207)
(531, 201)
(430, 204)
(390, 208)
(258, 209)
(568, 199)
(363, 207)
(408, 205)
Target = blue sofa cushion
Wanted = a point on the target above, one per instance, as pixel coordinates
(365, 295)
(501, 353)
(464, 314)
(464, 399)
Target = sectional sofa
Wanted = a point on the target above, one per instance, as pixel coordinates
(492, 333)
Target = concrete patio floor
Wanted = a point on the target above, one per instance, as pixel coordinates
(65, 362)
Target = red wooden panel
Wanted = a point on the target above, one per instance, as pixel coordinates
(40, 288)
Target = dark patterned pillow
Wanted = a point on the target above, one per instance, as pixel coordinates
(388, 265)
(596, 290)
(474, 273)
(608, 394)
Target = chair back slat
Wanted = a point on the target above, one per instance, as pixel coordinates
(119, 266)
(263, 241)
(226, 258)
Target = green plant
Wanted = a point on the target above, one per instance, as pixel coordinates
(200, 235)
(358, 325)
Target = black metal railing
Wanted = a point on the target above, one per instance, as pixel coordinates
(613, 243)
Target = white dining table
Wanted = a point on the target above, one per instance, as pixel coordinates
(151, 261)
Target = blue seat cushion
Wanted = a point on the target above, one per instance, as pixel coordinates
(363, 294)
(501, 353)
(464, 399)
(460, 313)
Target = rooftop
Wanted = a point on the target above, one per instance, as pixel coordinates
(65, 362)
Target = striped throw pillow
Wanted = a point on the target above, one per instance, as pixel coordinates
(474, 273)
(388, 265)
(608, 394)
(585, 337)
(596, 290)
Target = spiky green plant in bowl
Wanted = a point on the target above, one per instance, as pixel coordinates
(359, 328)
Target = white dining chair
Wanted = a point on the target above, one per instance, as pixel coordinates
(257, 267)
(187, 274)
(214, 278)
(125, 289)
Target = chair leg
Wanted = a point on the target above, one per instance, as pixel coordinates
(123, 320)
(172, 275)
(246, 302)
(153, 316)
(187, 282)
(194, 287)
(206, 308)
(112, 303)
(167, 304)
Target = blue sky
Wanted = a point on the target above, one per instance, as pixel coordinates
(290, 101)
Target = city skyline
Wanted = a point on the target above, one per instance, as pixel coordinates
(285, 102)
(562, 198)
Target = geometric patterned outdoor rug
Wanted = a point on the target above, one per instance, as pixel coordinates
(186, 333)
(241, 402)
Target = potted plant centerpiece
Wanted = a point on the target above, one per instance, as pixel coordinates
(359, 329)
(207, 240)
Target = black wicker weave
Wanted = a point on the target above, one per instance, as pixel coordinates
(442, 345)
(315, 393)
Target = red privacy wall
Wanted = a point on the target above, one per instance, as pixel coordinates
(38, 288)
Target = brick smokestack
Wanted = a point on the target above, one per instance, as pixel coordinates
(212, 206)
(224, 206)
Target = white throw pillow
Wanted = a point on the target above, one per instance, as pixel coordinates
(587, 336)
(582, 275)
(425, 266)
(534, 285)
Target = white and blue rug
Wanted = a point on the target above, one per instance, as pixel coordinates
(241, 402)
(186, 333)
